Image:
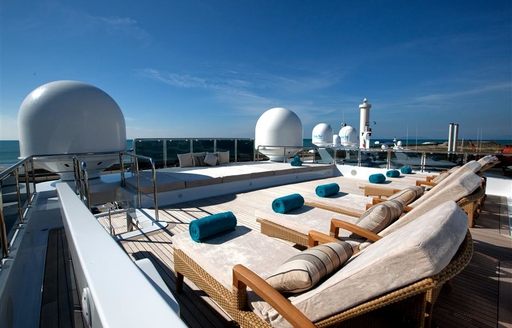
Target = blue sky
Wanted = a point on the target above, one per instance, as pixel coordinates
(211, 68)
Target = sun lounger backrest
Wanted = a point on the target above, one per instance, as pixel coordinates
(444, 175)
(422, 249)
(472, 166)
(487, 160)
(464, 186)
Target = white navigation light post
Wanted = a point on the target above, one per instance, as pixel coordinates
(365, 131)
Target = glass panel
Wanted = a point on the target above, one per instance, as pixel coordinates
(150, 148)
(442, 161)
(202, 145)
(402, 158)
(347, 156)
(245, 149)
(175, 147)
(227, 145)
(374, 158)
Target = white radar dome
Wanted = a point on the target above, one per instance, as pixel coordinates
(322, 135)
(69, 117)
(348, 136)
(278, 134)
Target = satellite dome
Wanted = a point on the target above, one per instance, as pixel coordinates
(322, 135)
(278, 127)
(67, 117)
(348, 136)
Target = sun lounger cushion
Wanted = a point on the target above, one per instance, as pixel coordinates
(327, 190)
(211, 159)
(419, 250)
(377, 178)
(287, 203)
(212, 225)
(260, 253)
(310, 218)
(381, 215)
(393, 173)
(186, 160)
(406, 169)
(488, 159)
(303, 271)
(464, 186)
(444, 175)
(223, 157)
(407, 195)
(473, 166)
(198, 160)
(454, 177)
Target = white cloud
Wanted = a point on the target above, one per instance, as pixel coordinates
(115, 25)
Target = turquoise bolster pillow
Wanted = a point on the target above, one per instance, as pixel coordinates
(406, 169)
(377, 178)
(327, 190)
(393, 173)
(296, 161)
(287, 203)
(211, 225)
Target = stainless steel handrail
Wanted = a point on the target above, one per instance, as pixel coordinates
(137, 172)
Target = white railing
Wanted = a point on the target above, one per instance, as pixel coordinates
(109, 283)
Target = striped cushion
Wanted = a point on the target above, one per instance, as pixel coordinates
(380, 216)
(303, 271)
(407, 195)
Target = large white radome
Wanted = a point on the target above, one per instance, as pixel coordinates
(278, 127)
(65, 117)
(348, 136)
(322, 135)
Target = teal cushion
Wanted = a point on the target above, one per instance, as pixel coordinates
(406, 169)
(296, 161)
(377, 178)
(287, 203)
(211, 225)
(393, 173)
(327, 190)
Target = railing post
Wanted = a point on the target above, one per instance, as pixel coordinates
(27, 183)
(214, 145)
(121, 167)
(85, 176)
(164, 151)
(139, 200)
(236, 150)
(33, 174)
(4, 243)
(18, 194)
(155, 200)
(359, 157)
(423, 161)
(191, 145)
(388, 164)
(284, 154)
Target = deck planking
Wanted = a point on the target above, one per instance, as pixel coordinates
(60, 304)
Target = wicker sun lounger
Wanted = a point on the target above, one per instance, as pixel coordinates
(470, 202)
(409, 302)
(466, 191)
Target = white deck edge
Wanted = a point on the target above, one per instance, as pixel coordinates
(121, 295)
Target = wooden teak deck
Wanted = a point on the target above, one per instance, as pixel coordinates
(480, 296)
